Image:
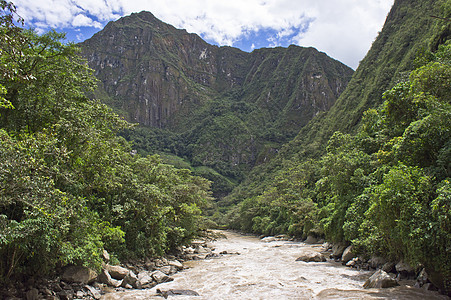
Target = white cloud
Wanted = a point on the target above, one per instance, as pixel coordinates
(344, 29)
(82, 20)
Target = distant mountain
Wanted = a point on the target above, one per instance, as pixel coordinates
(218, 107)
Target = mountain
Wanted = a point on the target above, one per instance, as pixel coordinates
(374, 171)
(217, 107)
(407, 31)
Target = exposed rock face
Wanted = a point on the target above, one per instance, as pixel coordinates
(233, 109)
(157, 72)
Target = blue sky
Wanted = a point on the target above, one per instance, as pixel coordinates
(344, 29)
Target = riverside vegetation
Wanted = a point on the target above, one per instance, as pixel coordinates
(69, 185)
(371, 169)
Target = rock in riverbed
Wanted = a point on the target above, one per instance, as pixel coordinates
(380, 279)
(312, 257)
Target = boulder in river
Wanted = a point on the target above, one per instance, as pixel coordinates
(117, 272)
(268, 239)
(404, 269)
(337, 250)
(389, 267)
(172, 292)
(95, 293)
(377, 262)
(79, 274)
(347, 254)
(312, 257)
(105, 278)
(146, 280)
(160, 277)
(131, 279)
(168, 270)
(380, 279)
(176, 264)
(311, 240)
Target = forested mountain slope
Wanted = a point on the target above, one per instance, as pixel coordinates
(374, 171)
(217, 107)
(409, 29)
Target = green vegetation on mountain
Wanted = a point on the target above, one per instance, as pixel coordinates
(69, 185)
(374, 171)
(215, 107)
(288, 144)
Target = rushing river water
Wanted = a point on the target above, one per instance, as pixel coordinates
(269, 271)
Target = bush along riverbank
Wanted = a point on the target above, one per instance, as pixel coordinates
(79, 282)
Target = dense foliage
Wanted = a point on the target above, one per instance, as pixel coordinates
(69, 185)
(385, 189)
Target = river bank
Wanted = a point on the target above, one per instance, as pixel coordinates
(229, 265)
(246, 267)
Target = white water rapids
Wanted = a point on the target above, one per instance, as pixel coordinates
(269, 271)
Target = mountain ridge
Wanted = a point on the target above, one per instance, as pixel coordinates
(229, 109)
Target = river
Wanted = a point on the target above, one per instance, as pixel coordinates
(269, 271)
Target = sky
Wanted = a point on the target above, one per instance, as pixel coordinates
(344, 29)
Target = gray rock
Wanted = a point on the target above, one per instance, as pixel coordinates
(117, 272)
(79, 294)
(282, 237)
(93, 291)
(160, 277)
(347, 254)
(160, 262)
(404, 269)
(47, 292)
(268, 239)
(388, 267)
(176, 264)
(131, 279)
(352, 262)
(79, 274)
(146, 280)
(149, 265)
(380, 279)
(106, 255)
(327, 246)
(168, 270)
(172, 292)
(201, 250)
(376, 262)
(311, 240)
(312, 257)
(422, 278)
(66, 295)
(337, 250)
(105, 278)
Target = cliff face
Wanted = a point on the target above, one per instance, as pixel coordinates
(157, 74)
(227, 109)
